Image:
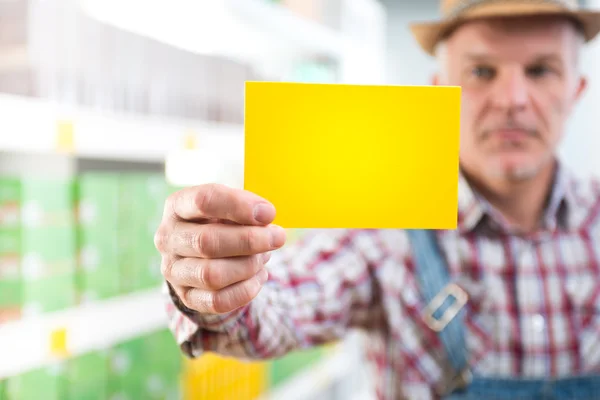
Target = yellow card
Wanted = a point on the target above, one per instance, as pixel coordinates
(354, 156)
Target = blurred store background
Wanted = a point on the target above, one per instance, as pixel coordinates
(106, 107)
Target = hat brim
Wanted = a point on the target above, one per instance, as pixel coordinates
(428, 34)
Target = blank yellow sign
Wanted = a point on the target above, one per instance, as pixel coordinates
(354, 156)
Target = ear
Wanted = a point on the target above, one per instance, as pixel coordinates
(581, 87)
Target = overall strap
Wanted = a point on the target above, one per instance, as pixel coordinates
(444, 312)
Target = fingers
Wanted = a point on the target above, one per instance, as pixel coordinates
(212, 275)
(187, 239)
(212, 239)
(224, 300)
(214, 201)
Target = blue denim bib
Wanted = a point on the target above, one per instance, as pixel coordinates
(445, 315)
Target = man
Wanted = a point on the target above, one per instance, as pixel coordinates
(519, 278)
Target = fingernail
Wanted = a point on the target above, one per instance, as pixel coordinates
(277, 236)
(262, 276)
(264, 213)
(266, 257)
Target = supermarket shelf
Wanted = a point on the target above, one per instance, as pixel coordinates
(29, 343)
(39, 126)
(257, 32)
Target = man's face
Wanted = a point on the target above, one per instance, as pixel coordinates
(519, 80)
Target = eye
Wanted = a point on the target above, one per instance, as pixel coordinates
(538, 71)
(483, 72)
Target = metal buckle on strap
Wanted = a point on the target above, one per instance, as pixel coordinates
(461, 381)
(460, 296)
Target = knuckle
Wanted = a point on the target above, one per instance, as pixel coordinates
(205, 242)
(187, 298)
(210, 276)
(161, 239)
(219, 302)
(166, 268)
(251, 240)
(249, 290)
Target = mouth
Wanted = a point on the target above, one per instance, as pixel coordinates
(510, 135)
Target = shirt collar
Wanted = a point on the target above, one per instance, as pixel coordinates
(474, 210)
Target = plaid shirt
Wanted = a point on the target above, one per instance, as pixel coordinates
(533, 308)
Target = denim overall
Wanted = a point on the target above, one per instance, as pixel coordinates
(446, 317)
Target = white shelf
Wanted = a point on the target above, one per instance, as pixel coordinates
(32, 125)
(267, 36)
(25, 344)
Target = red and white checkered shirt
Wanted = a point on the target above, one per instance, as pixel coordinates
(534, 308)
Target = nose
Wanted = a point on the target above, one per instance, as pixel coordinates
(511, 92)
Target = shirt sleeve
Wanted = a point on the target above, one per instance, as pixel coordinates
(319, 287)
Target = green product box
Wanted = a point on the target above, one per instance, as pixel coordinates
(162, 352)
(97, 202)
(148, 367)
(11, 293)
(97, 198)
(148, 274)
(163, 366)
(50, 294)
(11, 284)
(37, 241)
(46, 252)
(10, 202)
(97, 250)
(127, 370)
(130, 203)
(47, 203)
(146, 193)
(37, 252)
(87, 377)
(34, 202)
(3, 390)
(48, 383)
(10, 252)
(98, 271)
(283, 368)
(161, 386)
(141, 206)
(103, 283)
(37, 268)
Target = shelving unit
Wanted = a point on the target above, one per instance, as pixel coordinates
(38, 341)
(262, 34)
(40, 126)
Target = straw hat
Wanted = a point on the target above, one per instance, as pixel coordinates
(455, 12)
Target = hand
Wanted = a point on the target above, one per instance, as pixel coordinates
(214, 243)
